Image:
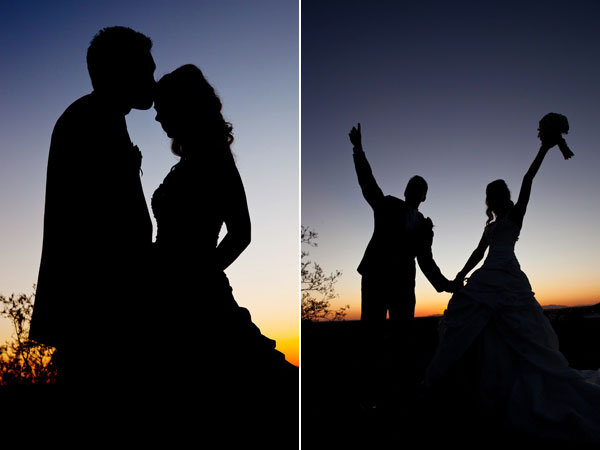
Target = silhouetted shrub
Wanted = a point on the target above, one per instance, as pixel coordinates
(315, 283)
(23, 361)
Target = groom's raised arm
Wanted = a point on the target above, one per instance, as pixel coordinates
(371, 191)
(425, 259)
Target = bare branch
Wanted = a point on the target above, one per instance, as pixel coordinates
(317, 287)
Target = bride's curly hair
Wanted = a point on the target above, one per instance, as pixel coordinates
(497, 199)
(196, 100)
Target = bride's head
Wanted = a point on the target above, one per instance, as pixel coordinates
(497, 199)
(189, 111)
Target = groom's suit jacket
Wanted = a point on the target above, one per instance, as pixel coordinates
(400, 235)
(97, 229)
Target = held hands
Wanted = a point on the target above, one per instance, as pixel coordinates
(356, 139)
(456, 284)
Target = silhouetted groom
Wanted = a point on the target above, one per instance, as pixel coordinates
(388, 265)
(97, 229)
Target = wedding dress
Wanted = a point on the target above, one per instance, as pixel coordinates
(521, 371)
(198, 306)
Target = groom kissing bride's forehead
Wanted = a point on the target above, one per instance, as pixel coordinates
(97, 228)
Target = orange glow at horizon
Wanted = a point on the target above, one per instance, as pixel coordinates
(432, 304)
(289, 347)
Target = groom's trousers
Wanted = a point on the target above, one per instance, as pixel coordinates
(387, 355)
(381, 294)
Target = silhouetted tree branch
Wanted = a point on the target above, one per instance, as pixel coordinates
(317, 287)
(23, 361)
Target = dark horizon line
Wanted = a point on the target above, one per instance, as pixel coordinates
(546, 307)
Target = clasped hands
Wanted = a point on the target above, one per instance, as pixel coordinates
(456, 284)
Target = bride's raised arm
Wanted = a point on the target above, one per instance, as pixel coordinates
(550, 131)
(524, 194)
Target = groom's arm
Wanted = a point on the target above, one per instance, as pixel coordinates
(426, 262)
(370, 190)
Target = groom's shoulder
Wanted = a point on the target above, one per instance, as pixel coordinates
(73, 127)
(390, 199)
(77, 113)
(393, 205)
(81, 107)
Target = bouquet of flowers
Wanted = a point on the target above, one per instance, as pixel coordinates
(553, 126)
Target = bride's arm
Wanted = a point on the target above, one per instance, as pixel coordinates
(474, 259)
(524, 194)
(237, 221)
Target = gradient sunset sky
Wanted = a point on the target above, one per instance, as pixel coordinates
(249, 51)
(453, 91)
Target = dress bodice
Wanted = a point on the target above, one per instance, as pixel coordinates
(195, 199)
(189, 211)
(502, 235)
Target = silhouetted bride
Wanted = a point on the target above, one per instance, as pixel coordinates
(496, 339)
(212, 341)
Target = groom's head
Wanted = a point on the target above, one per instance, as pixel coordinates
(416, 191)
(121, 66)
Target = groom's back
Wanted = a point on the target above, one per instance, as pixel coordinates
(96, 223)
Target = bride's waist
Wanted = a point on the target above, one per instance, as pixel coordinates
(199, 253)
(501, 256)
(181, 242)
(508, 250)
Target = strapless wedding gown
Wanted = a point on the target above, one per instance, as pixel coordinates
(521, 370)
(190, 206)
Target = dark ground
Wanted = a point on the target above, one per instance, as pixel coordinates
(207, 414)
(337, 414)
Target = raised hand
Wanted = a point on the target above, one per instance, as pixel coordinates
(356, 138)
(550, 131)
(564, 148)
